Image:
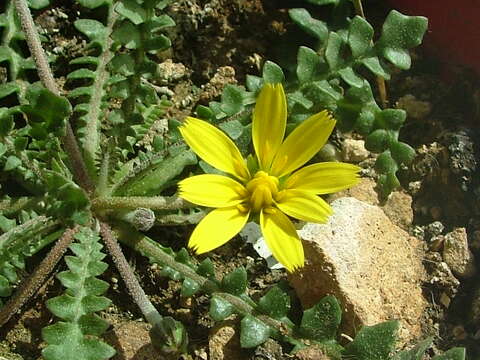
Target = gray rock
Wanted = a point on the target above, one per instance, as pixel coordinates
(354, 151)
(372, 266)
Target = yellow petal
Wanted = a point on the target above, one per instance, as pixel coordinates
(215, 229)
(324, 178)
(269, 121)
(282, 239)
(214, 147)
(212, 190)
(303, 205)
(303, 143)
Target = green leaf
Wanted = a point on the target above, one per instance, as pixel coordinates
(253, 83)
(360, 35)
(349, 76)
(189, 288)
(128, 35)
(38, 4)
(206, 268)
(374, 65)
(275, 303)
(321, 321)
(272, 73)
(392, 118)
(158, 43)
(373, 342)
(67, 342)
(233, 128)
(8, 88)
(378, 141)
(232, 100)
(6, 122)
(333, 52)
(81, 74)
(152, 181)
(402, 153)
(253, 332)
(5, 287)
(123, 64)
(92, 4)
(385, 163)
(400, 33)
(12, 163)
(93, 29)
(309, 64)
(452, 354)
(132, 11)
(235, 282)
(311, 26)
(387, 183)
(220, 309)
(47, 110)
(415, 353)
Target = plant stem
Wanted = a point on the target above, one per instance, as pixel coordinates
(46, 77)
(151, 249)
(382, 89)
(133, 202)
(133, 286)
(31, 285)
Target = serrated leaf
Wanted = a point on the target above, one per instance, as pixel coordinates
(66, 341)
(311, 26)
(373, 342)
(253, 332)
(92, 324)
(272, 73)
(360, 35)
(275, 303)
(321, 321)
(220, 309)
(235, 282)
(158, 43)
(38, 4)
(8, 88)
(253, 83)
(12, 163)
(123, 64)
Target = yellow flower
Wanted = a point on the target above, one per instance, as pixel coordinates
(270, 189)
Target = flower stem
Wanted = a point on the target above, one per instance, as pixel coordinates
(46, 77)
(133, 202)
(31, 285)
(167, 335)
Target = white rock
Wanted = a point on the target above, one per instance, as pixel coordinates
(457, 254)
(354, 151)
(372, 266)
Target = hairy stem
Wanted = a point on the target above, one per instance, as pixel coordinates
(46, 77)
(133, 202)
(151, 249)
(133, 286)
(31, 285)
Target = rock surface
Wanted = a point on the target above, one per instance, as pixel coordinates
(131, 340)
(224, 342)
(457, 254)
(372, 266)
(353, 151)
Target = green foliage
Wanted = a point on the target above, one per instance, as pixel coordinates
(76, 336)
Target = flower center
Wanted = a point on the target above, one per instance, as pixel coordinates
(262, 189)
